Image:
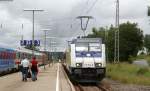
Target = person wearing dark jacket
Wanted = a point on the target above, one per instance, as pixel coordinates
(34, 68)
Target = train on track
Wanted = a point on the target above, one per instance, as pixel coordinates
(85, 60)
(10, 59)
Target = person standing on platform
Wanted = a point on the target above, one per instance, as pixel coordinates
(25, 67)
(34, 68)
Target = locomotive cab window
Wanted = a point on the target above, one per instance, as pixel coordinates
(94, 47)
(88, 47)
(82, 47)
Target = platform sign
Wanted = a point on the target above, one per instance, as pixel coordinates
(29, 42)
(36, 42)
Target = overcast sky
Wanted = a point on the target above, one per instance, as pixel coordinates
(60, 17)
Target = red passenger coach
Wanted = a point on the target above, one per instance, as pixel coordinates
(10, 59)
(28, 53)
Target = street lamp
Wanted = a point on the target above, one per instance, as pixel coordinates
(45, 30)
(33, 13)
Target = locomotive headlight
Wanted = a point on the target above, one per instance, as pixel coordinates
(78, 64)
(98, 65)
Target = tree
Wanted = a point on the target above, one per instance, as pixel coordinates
(110, 43)
(100, 33)
(131, 39)
(147, 42)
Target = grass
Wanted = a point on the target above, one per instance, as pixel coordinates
(128, 73)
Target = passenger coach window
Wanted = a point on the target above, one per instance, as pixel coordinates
(3, 55)
(0, 55)
(8, 55)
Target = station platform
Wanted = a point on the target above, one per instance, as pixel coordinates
(52, 78)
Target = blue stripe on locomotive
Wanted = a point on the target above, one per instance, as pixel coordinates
(6, 64)
(88, 54)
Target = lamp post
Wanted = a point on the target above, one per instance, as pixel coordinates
(45, 30)
(33, 14)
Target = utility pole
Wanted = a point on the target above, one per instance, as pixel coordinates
(106, 44)
(52, 49)
(116, 49)
(45, 32)
(22, 26)
(50, 52)
(45, 46)
(21, 33)
(33, 14)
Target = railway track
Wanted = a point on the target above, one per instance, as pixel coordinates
(103, 86)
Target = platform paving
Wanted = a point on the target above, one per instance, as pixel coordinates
(46, 81)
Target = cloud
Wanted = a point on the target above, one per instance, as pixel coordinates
(104, 13)
(60, 17)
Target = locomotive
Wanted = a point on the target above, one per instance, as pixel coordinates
(85, 60)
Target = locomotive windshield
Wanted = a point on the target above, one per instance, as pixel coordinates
(94, 47)
(82, 47)
(88, 47)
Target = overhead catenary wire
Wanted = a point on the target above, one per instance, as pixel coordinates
(89, 10)
(91, 7)
(86, 4)
(84, 7)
